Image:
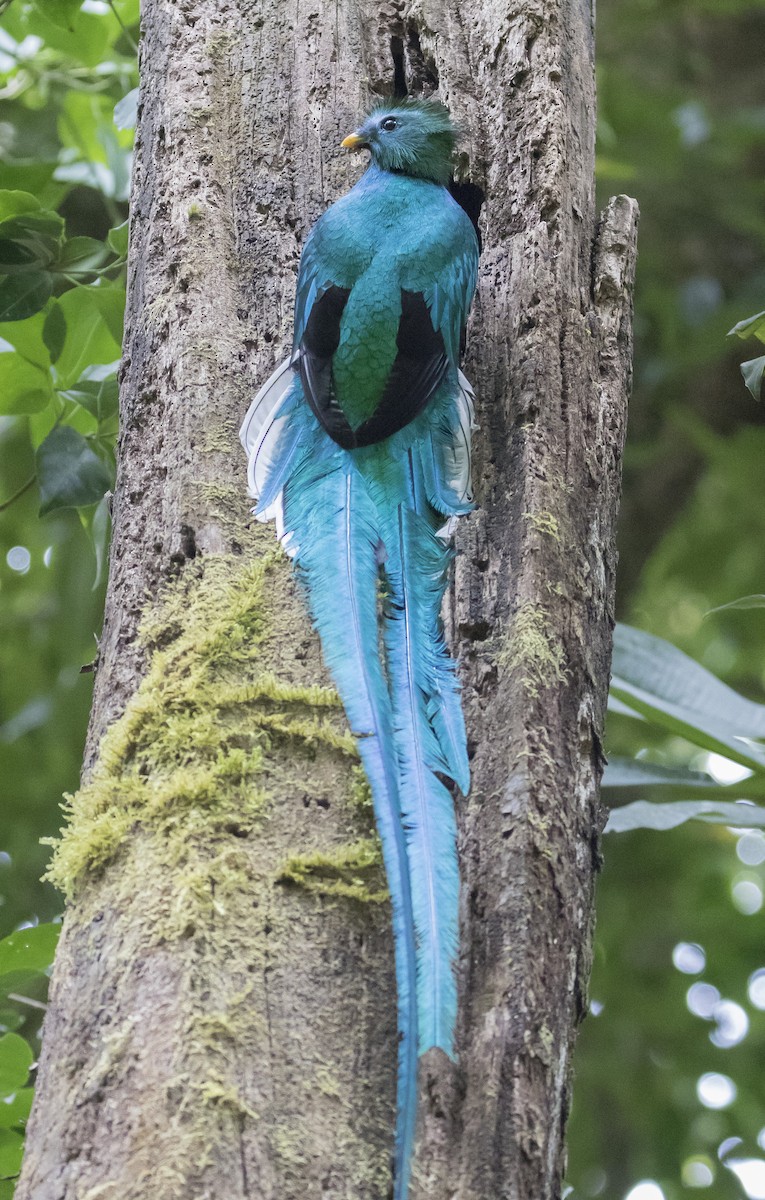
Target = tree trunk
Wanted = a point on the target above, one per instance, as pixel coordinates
(222, 1013)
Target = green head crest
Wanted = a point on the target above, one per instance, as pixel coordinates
(413, 137)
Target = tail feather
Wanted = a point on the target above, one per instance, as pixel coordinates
(344, 516)
(420, 677)
(335, 538)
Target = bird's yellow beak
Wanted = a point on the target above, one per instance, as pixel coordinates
(353, 141)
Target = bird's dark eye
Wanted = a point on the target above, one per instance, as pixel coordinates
(389, 124)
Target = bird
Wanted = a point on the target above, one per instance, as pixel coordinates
(359, 446)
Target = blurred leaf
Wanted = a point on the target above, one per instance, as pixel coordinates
(99, 396)
(756, 601)
(61, 12)
(10, 1018)
(126, 111)
(23, 295)
(24, 387)
(27, 337)
(750, 327)
(110, 302)
(642, 814)
(19, 983)
(30, 949)
(85, 40)
(616, 706)
(752, 372)
(69, 471)
(54, 331)
(118, 239)
(80, 254)
(97, 527)
(30, 240)
(664, 685)
(631, 772)
(15, 1110)
(91, 316)
(16, 1058)
(13, 203)
(11, 1153)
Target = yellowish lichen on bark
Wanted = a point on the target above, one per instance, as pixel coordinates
(544, 522)
(533, 648)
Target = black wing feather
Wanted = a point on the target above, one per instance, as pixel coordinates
(418, 369)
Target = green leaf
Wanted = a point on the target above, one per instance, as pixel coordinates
(97, 529)
(15, 1109)
(715, 736)
(85, 39)
(756, 601)
(41, 424)
(30, 240)
(118, 239)
(19, 983)
(12, 204)
(29, 949)
(110, 302)
(16, 1058)
(61, 12)
(15, 257)
(750, 327)
(99, 396)
(27, 337)
(11, 1153)
(54, 331)
(10, 1018)
(24, 387)
(81, 254)
(631, 772)
(126, 110)
(752, 372)
(23, 295)
(667, 687)
(70, 473)
(616, 706)
(89, 336)
(644, 815)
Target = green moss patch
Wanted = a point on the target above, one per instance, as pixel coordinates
(354, 871)
(189, 754)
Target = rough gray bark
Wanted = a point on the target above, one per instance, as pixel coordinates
(222, 1012)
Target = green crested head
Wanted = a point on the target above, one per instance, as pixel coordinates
(411, 137)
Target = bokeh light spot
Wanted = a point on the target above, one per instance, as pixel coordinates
(751, 1175)
(747, 896)
(19, 559)
(702, 999)
(715, 1090)
(645, 1190)
(756, 992)
(697, 1173)
(751, 848)
(732, 1024)
(723, 770)
(689, 958)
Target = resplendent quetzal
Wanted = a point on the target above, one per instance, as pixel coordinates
(359, 445)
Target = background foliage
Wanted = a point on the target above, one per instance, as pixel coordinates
(669, 1096)
(64, 66)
